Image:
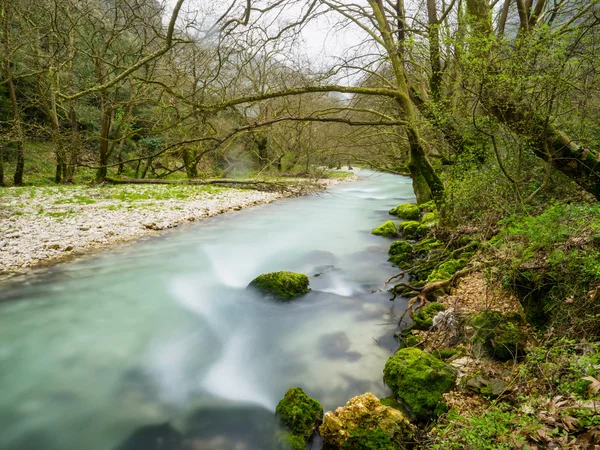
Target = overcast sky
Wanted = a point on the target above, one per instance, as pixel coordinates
(321, 40)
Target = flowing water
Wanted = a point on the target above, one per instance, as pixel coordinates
(163, 330)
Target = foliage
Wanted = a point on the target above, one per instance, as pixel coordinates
(552, 262)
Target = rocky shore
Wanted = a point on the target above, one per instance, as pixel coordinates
(39, 225)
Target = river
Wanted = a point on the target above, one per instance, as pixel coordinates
(163, 330)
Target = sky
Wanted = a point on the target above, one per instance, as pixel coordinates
(320, 40)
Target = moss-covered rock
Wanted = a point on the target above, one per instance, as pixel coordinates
(424, 229)
(365, 423)
(401, 254)
(502, 335)
(408, 211)
(281, 285)
(387, 229)
(419, 379)
(423, 319)
(426, 245)
(447, 269)
(290, 441)
(409, 229)
(431, 217)
(301, 414)
(428, 206)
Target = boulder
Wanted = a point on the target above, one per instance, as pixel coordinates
(423, 319)
(502, 335)
(387, 229)
(301, 414)
(365, 423)
(281, 285)
(419, 379)
(401, 254)
(410, 229)
(408, 211)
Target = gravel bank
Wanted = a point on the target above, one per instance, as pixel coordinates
(48, 224)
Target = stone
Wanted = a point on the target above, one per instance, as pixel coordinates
(281, 285)
(301, 415)
(365, 423)
(401, 254)
(387, 229)
(408, 211)
(419, 379)
(501, 335)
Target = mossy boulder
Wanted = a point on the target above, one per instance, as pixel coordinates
(365, 423)
(430, 218)
(408, 211)
(387, 229)
(426, 245)
(502, 335)
(409, 229)
(419, 379)
(289, 441)
(401, 254)
(423, 319)
(301, 414)
(428, 206)
(281, 285)
(447, 269)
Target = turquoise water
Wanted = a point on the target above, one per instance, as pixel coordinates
(163, 330)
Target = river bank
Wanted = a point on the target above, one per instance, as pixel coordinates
(41, 225)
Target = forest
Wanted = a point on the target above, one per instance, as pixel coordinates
(489, 108)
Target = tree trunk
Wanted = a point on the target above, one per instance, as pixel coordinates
(420, 168)
(2, 183)
(189, 161)
(104, 140)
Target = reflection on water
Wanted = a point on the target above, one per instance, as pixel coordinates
(163, 331)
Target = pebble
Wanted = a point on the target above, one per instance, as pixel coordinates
(108, 221)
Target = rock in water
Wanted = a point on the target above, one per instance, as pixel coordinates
(301, 414)
(281, 285)
(364, 423)
(419, 379)
(408, 211)
(387, 229)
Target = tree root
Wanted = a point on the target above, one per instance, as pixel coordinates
(420, 300)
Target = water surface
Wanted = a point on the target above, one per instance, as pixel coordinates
(164, 330)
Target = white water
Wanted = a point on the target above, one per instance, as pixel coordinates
(163, 330)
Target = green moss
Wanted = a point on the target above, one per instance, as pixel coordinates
(430, 217)
(418, 379)
(447, 269)
(423, 320)
(281, 285)
(387, 229)
(447, 353)
(410, 340)
(502, 335)
(428, 206)
(300, 413)
(368, 440)
(407, 211)
(409, 229)
(290, 441)
(424, 229)
(426, 245)
(401, 254)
